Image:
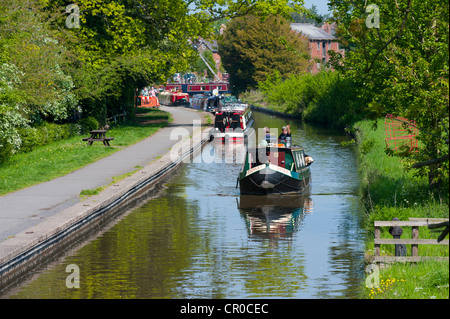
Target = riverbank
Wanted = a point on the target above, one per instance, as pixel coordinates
(325, 98)
(38, 221)
(59, 158)
(388, 191)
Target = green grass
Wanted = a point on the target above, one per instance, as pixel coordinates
(426, 280)
(389, 191)
(115, 179)
(257, 98)
(384, 180)
(59, 158)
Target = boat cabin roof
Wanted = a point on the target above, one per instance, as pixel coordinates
(276, 144)
(280, 147)
(290, 158)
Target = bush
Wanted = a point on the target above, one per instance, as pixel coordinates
(43, 134)
(324, 98)
(6, 150)
(88, 124)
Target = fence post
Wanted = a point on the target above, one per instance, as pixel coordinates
(415, 247)
(396, 232)
(377, 236)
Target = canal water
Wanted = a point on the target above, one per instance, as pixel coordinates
(200, 239)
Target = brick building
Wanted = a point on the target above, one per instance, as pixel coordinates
(321, 40)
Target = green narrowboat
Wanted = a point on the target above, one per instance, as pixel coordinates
(274, 168)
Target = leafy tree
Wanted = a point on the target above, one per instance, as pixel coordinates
(125, 44)
(310, 16)
(213, 10)
(46, 68)
(403, 69)
(200, 65)
(252, 48)
(33, 85)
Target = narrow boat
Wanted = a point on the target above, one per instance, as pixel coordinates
(212, 104)
(233, 120)
(198, 88)
(147, 101)
(198, 101)
(207, 102)
(275, 168)
(169, 98)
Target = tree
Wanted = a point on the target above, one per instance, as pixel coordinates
(402, 65)
(122, 45)
(252, 48)
(125, 44)
(200, 66)
(311, 16)
(33, 85)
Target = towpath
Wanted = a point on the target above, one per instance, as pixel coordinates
(28, 207)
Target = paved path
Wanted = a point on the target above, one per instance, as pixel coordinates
(25, 208)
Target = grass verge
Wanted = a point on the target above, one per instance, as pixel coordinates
(389, 191)
(62, 157)
(426, 280)
(115, 179)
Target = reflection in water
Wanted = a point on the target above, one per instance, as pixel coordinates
(201, 239)
(274, 216)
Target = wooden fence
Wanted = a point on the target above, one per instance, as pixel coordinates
(415, 223)
(115, 117)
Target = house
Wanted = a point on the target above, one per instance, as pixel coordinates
(321, 40)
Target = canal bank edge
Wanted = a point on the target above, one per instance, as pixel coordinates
(34, 246)
(272, 112)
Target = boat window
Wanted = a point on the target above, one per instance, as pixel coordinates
(221, 122)
(299, 159)
(235, 121)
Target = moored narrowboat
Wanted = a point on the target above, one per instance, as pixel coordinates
(147, 101)
(275, 168)
(173, 98)
(206, 102)
(198, 88)
(198, 101)
(232, 121)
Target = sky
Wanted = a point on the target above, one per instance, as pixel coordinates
(322, 5)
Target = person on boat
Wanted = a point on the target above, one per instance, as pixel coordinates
(286, 132)
(267, 132)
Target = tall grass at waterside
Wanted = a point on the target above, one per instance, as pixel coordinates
(389, 191)
(384, 180)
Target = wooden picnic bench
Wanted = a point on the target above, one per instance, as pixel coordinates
(98, 135)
